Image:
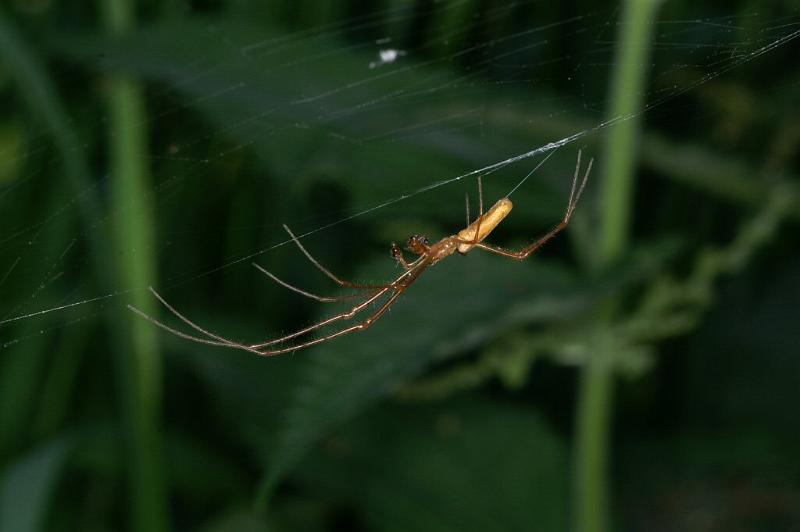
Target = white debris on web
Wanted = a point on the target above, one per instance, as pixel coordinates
(387, 56)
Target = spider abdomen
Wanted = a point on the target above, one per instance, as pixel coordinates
(484, 225)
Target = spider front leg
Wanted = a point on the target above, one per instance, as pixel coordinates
(327, 272)
(397, 254)
(322, 299)
(397, 288)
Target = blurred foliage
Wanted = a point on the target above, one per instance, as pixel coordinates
(455, 411)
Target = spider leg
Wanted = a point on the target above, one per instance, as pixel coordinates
(184, 335)
(214, 338)
(372, 318)
(398, 285)
(323, 299)
(476, 236)
(480, 196)
(525, 252)
(330, 274)
(574, 196)
(346, 315)
(480, 201)
(397, 254)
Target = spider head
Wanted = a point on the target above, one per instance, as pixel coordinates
(418, 244)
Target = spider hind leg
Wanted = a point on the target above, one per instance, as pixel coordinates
(574, 196)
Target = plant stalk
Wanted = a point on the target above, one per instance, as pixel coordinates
(595, 394)
(591, 491)
(139, 366)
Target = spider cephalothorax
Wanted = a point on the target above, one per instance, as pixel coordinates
(384, 295)
(418, 244)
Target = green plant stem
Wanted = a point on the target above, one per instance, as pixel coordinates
(140, 366)
(594, 416)
(141, 369)
(627, 93)
(595, 395)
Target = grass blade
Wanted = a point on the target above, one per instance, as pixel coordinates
(139, 366)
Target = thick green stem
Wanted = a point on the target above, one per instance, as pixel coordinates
(627, 93)
(595, 397)
(140, 365)
(591, 462)
(140, 372)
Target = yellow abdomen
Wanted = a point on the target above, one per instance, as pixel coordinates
(487, 222)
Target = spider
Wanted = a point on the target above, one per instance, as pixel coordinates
(428, 254)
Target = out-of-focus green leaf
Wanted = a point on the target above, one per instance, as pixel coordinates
(455, 306)
(463, 466)
(255, 389)
(12, 145)
(236, 521)
(744, 365)
(201, 472)
(27, 485)
(20, 374)
(737, 478)
(285, 98)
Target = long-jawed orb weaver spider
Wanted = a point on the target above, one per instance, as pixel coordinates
(428, 254)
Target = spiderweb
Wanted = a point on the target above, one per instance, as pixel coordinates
(338, 129)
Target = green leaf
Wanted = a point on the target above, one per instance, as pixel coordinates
(236, 521)
(27, 485)
(268, 99)
(460, 466)
(454, 307)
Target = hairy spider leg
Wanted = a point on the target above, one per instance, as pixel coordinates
(221, 341)
(367, 322)
(323, 299)
(480, 196)
(478, 221)
(480, 201)
(398, 285)
(396, 253)
(185, 336)
(573, 201)
(466, 201)
(215, 339)
(330, 274)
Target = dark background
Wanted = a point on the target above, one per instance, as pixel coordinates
(165, 143)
